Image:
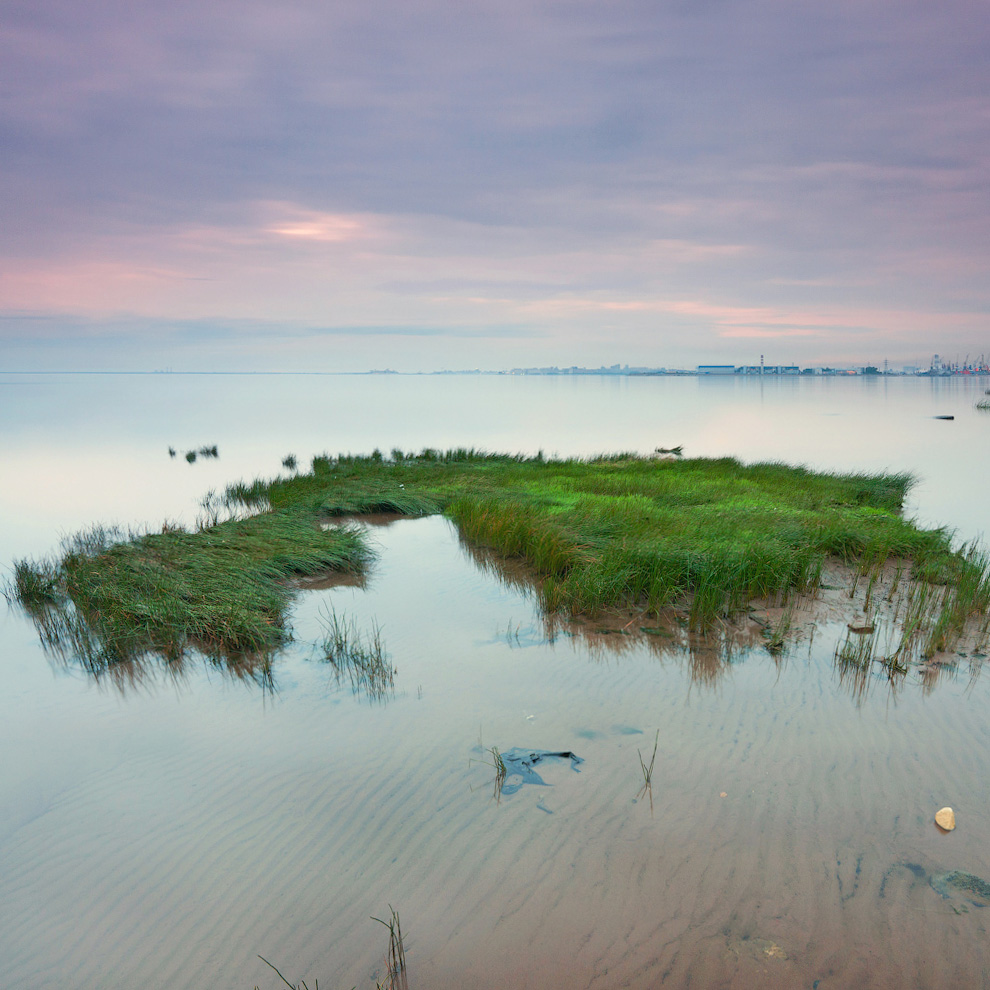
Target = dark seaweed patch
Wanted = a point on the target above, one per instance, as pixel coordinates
(973, 888)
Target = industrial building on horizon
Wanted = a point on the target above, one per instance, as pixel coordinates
(936, 368)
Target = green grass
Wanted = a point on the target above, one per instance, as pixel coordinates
(497, 763)
(396, 970)
(648, 771)
(363, 659)
(616, 532)
(301, 985)
(621, 532)
(776, 636)
(224, 590)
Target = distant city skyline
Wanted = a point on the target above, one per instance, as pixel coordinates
(422, 185)
(935, 367)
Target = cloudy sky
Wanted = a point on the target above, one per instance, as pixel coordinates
(349, 184)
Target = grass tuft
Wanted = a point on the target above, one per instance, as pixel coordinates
(365, 661)
(396, 977)
(497, 763)
(301, 985)
(223, 590)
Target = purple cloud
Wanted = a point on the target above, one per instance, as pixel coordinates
(746, 155)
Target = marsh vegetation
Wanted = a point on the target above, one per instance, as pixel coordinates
(396, 971)
(324, 806)
(112, 597)
(362, 658)
(497, 764)
(647, 769)
(697, 538)
(210, 451)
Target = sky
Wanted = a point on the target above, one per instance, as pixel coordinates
(341, 185)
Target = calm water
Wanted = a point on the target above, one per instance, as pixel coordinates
(163, 830)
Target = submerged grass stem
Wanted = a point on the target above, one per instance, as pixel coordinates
(648, 771)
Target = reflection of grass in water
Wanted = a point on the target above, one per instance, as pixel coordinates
(943, 605)
(366, 661)
(777, 636)
(617, 532)
(191, 455)
(626, 532)
(856, 650)
(940, 606)
(854, 657)
(859, 659)
(113, 597)
(71, 641)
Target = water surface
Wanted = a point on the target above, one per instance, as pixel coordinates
(163, 828)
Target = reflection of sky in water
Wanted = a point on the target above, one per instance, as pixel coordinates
(79, 449)
(198, 812)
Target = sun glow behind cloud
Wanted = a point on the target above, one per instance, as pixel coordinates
(311, 225)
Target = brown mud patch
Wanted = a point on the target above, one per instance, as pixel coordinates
(324, 580)
(865, 607)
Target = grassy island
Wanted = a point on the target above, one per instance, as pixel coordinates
(617, 532)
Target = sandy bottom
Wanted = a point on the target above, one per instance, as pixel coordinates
(165, 836)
